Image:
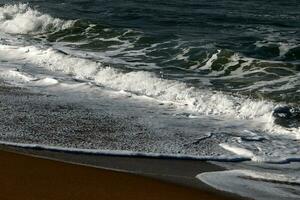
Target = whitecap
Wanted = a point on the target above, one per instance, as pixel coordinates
(22, 19)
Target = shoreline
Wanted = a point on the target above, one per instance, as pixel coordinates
(28, 177)
(163, 169)
(163, 176)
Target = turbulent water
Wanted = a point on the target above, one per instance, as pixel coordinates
(230, 69)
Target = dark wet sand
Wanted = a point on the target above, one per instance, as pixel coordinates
(25, 177)
(33, 174)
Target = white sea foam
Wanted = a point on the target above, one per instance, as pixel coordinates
(209, 61)
(224, 158)
(141, 82)
(46, 81)
(254, 184)
(268, 150)
(144, 83)
(21, 19)
(45, 63)
(238, 150)
(15, 76)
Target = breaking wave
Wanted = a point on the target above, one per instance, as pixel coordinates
(21, 19)
(141, 83)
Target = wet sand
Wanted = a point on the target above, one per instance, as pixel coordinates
(25, 177)
(40, 174)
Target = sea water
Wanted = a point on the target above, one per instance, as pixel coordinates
(220, 77)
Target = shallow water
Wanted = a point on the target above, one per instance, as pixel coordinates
(212, 72)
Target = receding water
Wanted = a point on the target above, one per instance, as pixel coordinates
(228, 70)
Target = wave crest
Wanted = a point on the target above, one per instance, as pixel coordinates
(142, 83)
(22, 19)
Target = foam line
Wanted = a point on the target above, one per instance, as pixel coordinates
(124, 153)
(202, 101)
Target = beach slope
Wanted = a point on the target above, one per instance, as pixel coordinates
(25, 177)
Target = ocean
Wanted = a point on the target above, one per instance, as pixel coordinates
(208, 80)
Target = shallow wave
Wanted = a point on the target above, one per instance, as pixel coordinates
(142, 83)
(263, 150)
(217, 68)
(83, 66)
(254, 184)
(21, 19)
(239, 128)
(225, 158)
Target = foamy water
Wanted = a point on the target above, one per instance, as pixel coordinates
(141, 83)
(258, 185)
(21, 19)
(202, 101)
(231, 92)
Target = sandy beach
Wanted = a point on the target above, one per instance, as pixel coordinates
(41, 174)
(26, 177)
(136, 99)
